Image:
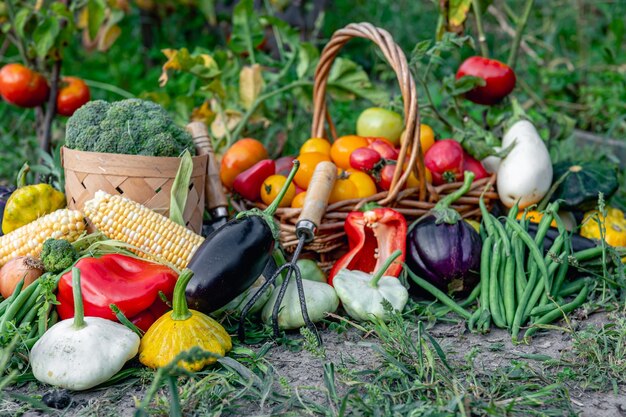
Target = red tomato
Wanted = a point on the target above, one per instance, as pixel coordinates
(72, 95)
(384, 148)
(22, 86)
(499, 79)
(284, 165)
(386, 176)
(248, 183)
(445, 161)
(364, 159)
(471, 164)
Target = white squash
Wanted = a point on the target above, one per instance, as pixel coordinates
(525, 174)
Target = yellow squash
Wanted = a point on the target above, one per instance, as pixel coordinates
(30, 202)
(180, 330)
(614, 226)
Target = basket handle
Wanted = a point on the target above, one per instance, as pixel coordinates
(396, 58)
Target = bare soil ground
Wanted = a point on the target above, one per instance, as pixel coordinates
(304, 372)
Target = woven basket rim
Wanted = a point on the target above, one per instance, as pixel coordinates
(128, 165)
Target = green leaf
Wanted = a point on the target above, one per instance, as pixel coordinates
(420, 50)
(45, 35)
(61, 10)
(95, 10)
(247, 30)
(348, 80)
(21, 18)
(458, 11)
(465, 84)
(207, 7)
(180, 189)
(308, 55)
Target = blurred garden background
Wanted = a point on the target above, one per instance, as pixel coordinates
(571, 65)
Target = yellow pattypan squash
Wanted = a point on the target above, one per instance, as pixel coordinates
(180, 330)
(29, 202)
(614, 226)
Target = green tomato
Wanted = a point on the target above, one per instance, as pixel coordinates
(310, 270)
(378, 122)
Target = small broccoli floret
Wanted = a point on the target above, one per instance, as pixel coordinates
(133, 127)
(57, 255)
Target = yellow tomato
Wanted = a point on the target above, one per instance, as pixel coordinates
(427, 137)
(272, 186)
(534, 216)
(342, 148)
(414, 182)
(316, 145)
(308, 162)
(344, 189)
(298, 200)
(365, 185)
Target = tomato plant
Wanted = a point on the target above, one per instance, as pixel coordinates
(22, 86)
(239, 157)
(72, 95)
(378, 122)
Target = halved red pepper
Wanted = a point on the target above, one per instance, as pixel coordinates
(133, 285)
(373, 236)
(248, 183)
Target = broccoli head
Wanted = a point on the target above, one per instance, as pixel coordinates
(57, 255)
(132, 127)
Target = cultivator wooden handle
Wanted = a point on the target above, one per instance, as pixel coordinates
(316, 200)
(214, 192)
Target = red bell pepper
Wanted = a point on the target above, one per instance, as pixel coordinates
(131, 284)
(373, 236)
(248, 183)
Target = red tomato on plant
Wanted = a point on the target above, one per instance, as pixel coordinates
(72, 95)
(445, 161)
(248, 183)
(22, 86)
(365, 159)
(471, 164)
(499, 78)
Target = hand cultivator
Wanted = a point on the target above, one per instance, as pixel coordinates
(314, 207)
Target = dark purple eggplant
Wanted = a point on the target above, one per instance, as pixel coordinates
(233, 257)
(5, 193)
(443, 249)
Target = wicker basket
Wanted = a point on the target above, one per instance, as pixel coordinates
(145, 179)
(412, 203)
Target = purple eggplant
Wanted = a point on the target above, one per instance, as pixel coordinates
(443, 249)
(5, 193)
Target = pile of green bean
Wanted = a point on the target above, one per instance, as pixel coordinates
(519, 285)
(29, 310)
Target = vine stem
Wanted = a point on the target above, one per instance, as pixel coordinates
(482, 39)
(244, 120)
(521, 25)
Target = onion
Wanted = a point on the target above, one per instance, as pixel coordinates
(23, 267)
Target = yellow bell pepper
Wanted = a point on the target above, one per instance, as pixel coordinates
(180, 330)
(614, 226)
(30, 202)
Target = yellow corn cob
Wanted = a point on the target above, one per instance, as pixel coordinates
(127, 221)
(28, 239)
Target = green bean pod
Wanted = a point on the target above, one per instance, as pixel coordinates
(494, 291)
(534, 252)
(509, 290)
(439, 295)
(520, 273)
(559, 312)
(573, 287)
